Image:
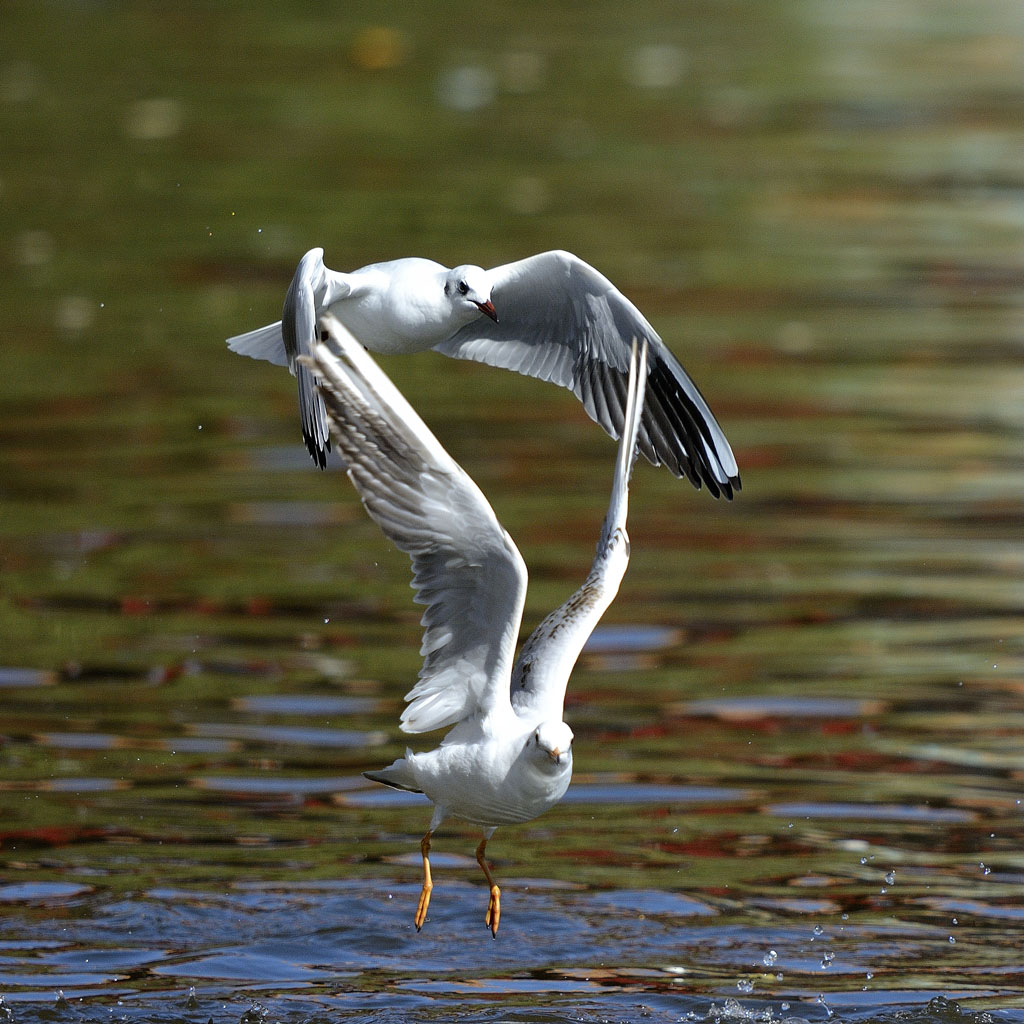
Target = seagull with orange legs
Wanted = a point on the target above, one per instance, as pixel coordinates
(508, 754)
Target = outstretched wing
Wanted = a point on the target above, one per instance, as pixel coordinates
(466, 569)
(293, 336)
(562, 321)
(548, 656)
(298, 325)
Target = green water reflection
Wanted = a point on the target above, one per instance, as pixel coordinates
(818, 205)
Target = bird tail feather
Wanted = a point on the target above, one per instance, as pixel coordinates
(397, 775)
(263, 343)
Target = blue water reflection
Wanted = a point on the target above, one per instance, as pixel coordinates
(798, 783)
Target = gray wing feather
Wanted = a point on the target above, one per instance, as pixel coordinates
(548, 656)
(562, 321)
(466, 569)
(298, 326)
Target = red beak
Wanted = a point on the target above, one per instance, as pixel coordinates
(488, 309)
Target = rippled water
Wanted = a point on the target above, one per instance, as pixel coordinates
(798, 760)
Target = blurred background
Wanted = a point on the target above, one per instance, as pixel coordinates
(798, 760)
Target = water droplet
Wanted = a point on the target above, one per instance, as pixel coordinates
(826, 960)
(256, 1014)
(869, 975)
(863, 860)
(890, 878)
(769, 958)
(818, 930)
(745, 985)
(191, 1002)
(784, 1006)
(952, 941)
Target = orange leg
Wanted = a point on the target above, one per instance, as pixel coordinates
(494, 903)
(428, 885)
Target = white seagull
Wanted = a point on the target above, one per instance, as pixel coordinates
(550, 316)
(508, 756)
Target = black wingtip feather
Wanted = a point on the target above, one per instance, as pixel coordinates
(664, 389)
(317, 453)
(379, 777)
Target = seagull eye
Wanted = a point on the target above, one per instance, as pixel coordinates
(463, 287)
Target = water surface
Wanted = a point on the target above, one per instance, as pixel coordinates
(798, 759)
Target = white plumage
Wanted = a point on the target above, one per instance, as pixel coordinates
(508, 756)
(550, 316)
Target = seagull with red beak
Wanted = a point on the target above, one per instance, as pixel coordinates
(550, 316)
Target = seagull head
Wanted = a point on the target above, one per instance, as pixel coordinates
(469, 288)
(552, 742)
